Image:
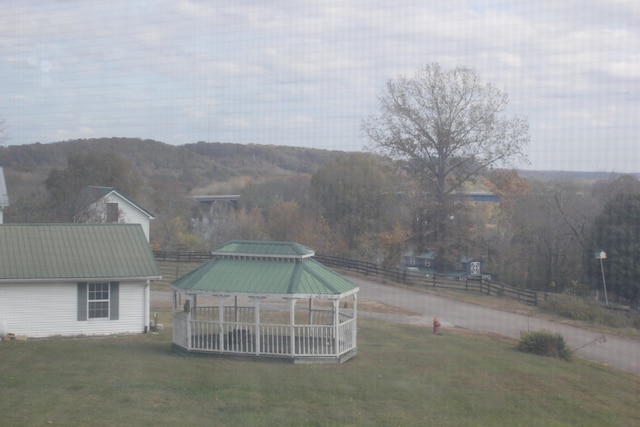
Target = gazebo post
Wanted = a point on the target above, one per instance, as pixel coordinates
(336, 324)
(310, 311)
(189, 336)
(221, 322)
(235, 300)
(292, 328)
(354, 329)
(257, 322)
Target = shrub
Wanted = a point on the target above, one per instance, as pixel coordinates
(544, 343)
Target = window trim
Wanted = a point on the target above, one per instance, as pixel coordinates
(94, 305)
(83, 302)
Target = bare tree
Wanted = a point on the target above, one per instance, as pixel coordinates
(446, 126)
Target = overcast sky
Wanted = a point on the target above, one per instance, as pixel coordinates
(305, 73)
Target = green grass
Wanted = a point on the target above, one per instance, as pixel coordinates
(403, 376)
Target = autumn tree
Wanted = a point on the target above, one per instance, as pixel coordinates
(109, 169)
(284, 221)
(353, 192)
(617, 232)
(550, 225)
(445, 126)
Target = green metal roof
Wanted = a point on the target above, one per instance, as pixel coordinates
(75, 251)
(264, 248)
(243, 273)
(426, 254)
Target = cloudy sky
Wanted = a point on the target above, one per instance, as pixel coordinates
(306, 72)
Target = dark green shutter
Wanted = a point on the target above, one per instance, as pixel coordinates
(82, 301)
(114, 301)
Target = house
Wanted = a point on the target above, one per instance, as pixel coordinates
(75, 279)
(419, 264)
(425, 264)
(4, 196)
(107, 205)
(467, 268)
(266, 300)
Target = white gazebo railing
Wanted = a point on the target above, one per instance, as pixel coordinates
(323, 334)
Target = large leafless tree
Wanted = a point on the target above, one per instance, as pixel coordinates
(445, 126)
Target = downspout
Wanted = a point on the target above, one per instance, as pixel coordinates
(147, 303)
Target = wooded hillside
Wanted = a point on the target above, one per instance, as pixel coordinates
(191, 166)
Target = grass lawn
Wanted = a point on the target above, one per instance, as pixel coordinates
(402, 376)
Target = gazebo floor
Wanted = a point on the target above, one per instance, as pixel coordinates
(276, 348)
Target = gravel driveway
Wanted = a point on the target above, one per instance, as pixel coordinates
(622, 353)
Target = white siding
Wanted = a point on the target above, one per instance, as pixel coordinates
(45, 310)
(129, 213)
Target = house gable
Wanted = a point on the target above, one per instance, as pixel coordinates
(107, 205)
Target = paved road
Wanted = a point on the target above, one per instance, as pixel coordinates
(622, 353)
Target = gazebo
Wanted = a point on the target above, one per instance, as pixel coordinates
(266, 300)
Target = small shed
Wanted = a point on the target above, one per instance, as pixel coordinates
(419, 263)
(467, 268)
(266, 300)
(75, 279)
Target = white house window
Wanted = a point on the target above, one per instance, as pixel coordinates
(427, 263)
(98, 300)
(412, 261)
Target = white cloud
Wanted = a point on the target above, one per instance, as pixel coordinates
(306, 73)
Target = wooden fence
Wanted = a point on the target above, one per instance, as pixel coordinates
(433, 281)
(181, 256)
(395, 275)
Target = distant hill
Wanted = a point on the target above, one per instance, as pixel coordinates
(192, 165)
(189, 166)
(571, 175)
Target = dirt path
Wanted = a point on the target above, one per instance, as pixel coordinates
(622, 353)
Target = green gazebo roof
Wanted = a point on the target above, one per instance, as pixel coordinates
(255, 267)
(264, 248)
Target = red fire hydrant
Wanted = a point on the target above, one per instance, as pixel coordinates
(436, 325)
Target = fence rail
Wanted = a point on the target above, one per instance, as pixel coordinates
(396, 275)
(433, 281)
(181, 256)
